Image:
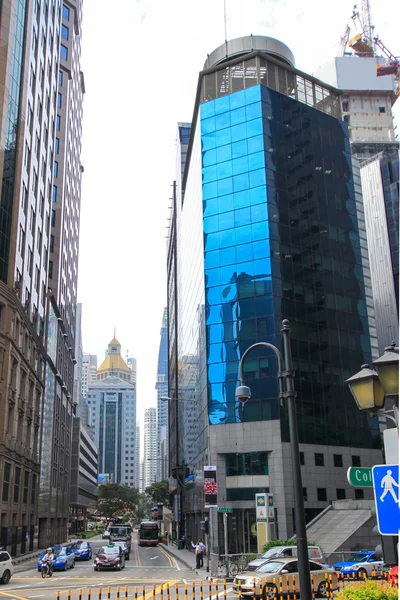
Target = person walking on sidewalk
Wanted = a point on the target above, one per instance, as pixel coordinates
(197, 551)
(203, 553)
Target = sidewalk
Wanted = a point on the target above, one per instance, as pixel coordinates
(186, 557)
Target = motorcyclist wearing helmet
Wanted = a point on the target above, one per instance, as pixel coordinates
(49, 558)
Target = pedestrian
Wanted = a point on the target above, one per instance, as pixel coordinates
(203, 552)
(197, 551)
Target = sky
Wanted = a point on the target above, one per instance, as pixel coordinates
(141, 60)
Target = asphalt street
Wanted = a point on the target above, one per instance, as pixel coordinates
(142, 577)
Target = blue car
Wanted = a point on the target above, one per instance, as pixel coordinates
(64, 558)
(360, 564)
(82, 550)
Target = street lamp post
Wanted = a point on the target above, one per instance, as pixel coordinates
(287, 393)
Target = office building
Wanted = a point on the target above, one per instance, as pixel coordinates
(112, 411)
(162, 406)
(131, 362)
(138, 462)
(59, 405)
(40, 83)
(150, 447)
(367, 102)
(265, 226)
(84, 478)
(89, 371)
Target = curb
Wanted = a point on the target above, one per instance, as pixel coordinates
(182, 560)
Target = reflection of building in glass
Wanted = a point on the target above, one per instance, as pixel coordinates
(265, 226)
(150, 447)
(162, 406)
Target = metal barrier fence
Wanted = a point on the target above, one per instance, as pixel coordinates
(274, 589)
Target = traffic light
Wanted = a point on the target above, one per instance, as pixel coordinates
(204, 526)
(160, 511)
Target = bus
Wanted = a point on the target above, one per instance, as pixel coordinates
(148, 533)
(122, 533)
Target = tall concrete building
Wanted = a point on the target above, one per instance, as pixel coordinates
(89, 372)
(366, 103)
(150, 447)
(162, 406)
(131, 362)
(138, 463)
(112, 411)
(39, 86)
(266, 226)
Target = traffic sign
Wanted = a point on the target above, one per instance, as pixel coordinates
(360, 476)
(386, 490)
(225, 509)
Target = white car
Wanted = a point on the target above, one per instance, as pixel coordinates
(106, 535)
(6, 566)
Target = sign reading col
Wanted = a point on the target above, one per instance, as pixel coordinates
(360, 476)
(210, 487)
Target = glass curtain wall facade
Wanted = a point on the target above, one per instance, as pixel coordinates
(267, 229)
(162, 406)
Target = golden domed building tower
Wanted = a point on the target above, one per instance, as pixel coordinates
(114, 364)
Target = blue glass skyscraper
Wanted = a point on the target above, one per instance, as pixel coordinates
(266, 227)
(162, 406)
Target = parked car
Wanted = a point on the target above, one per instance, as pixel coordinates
(280, 567)
(314, 553)
(125, 548)
(6, 566)
(360, 564)
(82, 550)
(106, 535)
(64, 558)
(109, 557)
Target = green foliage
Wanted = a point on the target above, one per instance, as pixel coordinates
(159, 491)
(368, 590)
(289, 542)
(116, 500)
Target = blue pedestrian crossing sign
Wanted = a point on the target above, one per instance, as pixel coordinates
(386, 490)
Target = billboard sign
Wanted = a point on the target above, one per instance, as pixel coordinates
(210, 487)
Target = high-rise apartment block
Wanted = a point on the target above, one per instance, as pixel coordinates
(112, 412)
(150, 447)
(162, 405)
(266, 226)
(137, 473)
(89, 372)
(41, 111)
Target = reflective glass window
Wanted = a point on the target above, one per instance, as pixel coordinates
(239, 132)
(239, 149)
(242, 217)
(222, 120)
(238, 116)
(223, 153)
(63, 52)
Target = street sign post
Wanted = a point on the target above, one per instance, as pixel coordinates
(225, 509)
(386, 491)
(360, 476)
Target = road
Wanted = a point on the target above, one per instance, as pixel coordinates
(149, 567)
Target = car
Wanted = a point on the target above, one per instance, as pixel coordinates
(268, 573)
(64, 558)
(6, 566)
(360, 564)
(82, 550)
(109, 557)
(125, 548)
(106, 535)
(314, 553)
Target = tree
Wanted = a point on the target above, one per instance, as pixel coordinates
(159, 491)
(115, 500)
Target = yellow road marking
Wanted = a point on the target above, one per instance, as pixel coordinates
(12, 596)
(167, 555)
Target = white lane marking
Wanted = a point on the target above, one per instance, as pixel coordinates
(154, 557)
(39, 596)
(185, 581)
(175, 562)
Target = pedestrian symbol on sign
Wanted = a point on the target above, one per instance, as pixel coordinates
(387, 484)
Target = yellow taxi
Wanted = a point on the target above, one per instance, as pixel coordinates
(268, 576)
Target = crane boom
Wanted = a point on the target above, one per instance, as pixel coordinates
(344, 40)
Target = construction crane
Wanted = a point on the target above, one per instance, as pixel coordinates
(390, 68)
(344, 40)
(362, 43)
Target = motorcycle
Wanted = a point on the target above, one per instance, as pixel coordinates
(46, 569)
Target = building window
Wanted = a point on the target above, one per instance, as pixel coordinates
(382, 109)
(305, 494)
(50, 269)
(64, 52)
(340, 493)
(57, 146)
(248, 463)
(58, 100)
(54, 193)
(233, 494)
(359, 494)
(52, 243)
(338, 460)
(55, 169)
(302, 458)
(58, 123)
(321, 494)
(16, 483)
(65, 12)
(319, 459)
(33, 490)
(345, 105)
(26, 486)
(64, 32)
(6, 481)
(60, 77)
(53, 218)
(356, 461)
